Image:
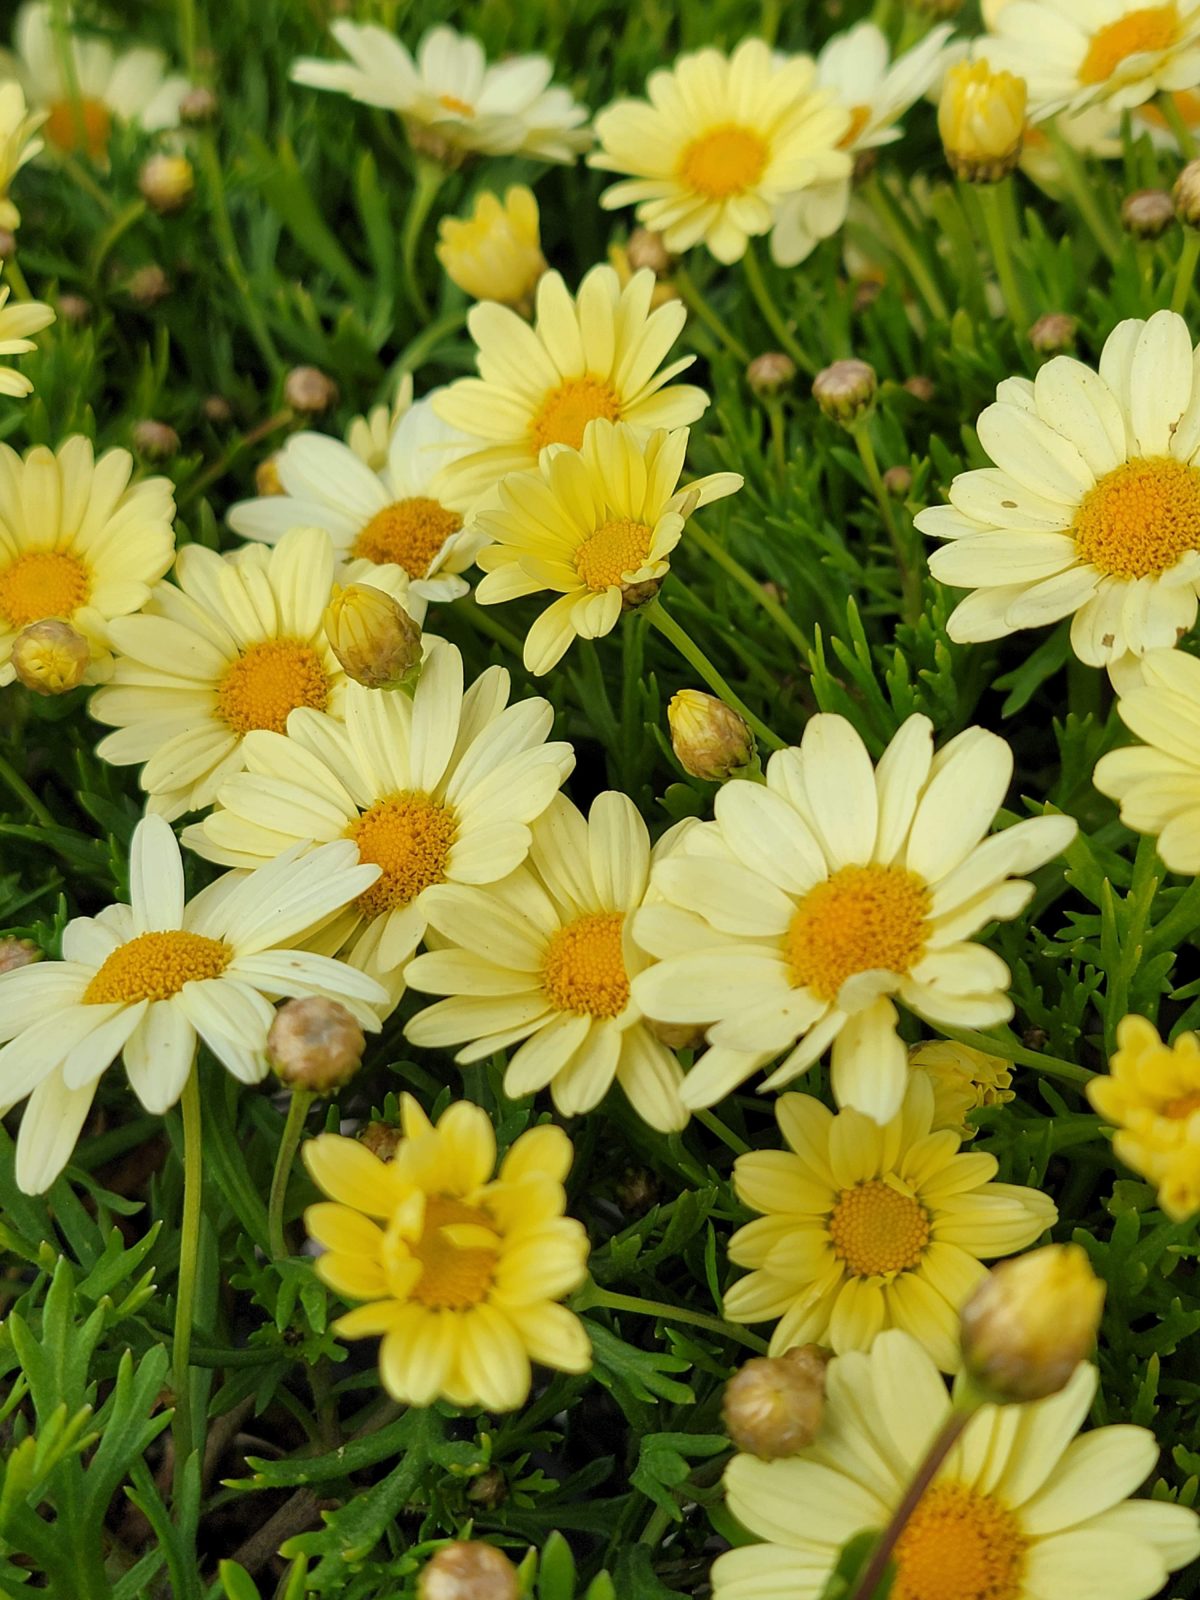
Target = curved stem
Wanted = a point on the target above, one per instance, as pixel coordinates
(285, 1159)
(595, 1296)
(427, 180)
(897, 230)
(1185, 272)
(993, 222)
(185, 1294)
(771, 313)
(693, 298)
(695, 657)
(758, 593)
(1083, 192)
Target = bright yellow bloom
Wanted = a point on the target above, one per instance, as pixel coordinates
(1152, 1097)
(496, 253)
(1031, 1322)
(962, 1079)
(461, 1270)
(981, 118)
(18, 144)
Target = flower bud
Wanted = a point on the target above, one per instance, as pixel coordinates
(167, 183)
(1147, 213)
(266, 476)
(474, 1571)
(198, 106)
(496, 253)
(309, 390)
(315, 1044)
(846, 390)
(710, 740)
(1186, 195)
(489, 1489)
(217, 410)
(898, 481)
(981, 118)
(148, 286)
(155, 441)
(773, 1405)
(374, 638)
(382, 1139)
(646, 249)
(1053, 333)
(920, 387)
(770, 374)
(50, 656)
(16, 953)
(8, 242)
(637, 1191)
(73, 308)
(1031, 1322)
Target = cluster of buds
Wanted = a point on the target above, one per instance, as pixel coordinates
(981, 118)
(374, 638)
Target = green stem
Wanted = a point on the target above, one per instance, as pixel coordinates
(187, 35)
(231, 258)
(79, 175)
(427, 180)
(1010, 1050)
(285, 1160)
(771, 313)
(754, 588)
(991, 204)
(594, 1295)
(489, 627)
(651, 1534)
(726, 1135)
(185, 1293)
(907, 254)
(1185, 272)
(695, 657)
(910, 580)
(1173, 117)
(13, 781)
(133, 213)
(693, 299)
(1083, 192)
(12, 270)
(220, 467)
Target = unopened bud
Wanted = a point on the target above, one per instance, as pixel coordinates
(846, 390)
(474, 1571)
(646, 249)
(920, 387)
(1031, 1322)
(148, 285)
(374, 638)
(315, 1044)
(16, 953)
(155, 441)
(774, 1405)
(898, 481)
(709, 738)
(1186, 195)
(489, 1489)
(309, 390)
(637, 1191)
(770, 374)
(73, 308)
(198, 106)
(981, 118)
(382, 1139)
(50, 657)
(167, 183)
(266, 476)
(1147, 213)
(217, 410)
(1053, 333)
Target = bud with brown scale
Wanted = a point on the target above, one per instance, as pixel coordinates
(1053, 333)
(920, 387)
(8, 242)
(489, 1489)
(473, 1571)
(898, 481)
(50, 656)
(309, 391)
(198, 107)
(315, 1044)
(167, 183)
(1147, 213)
(774, 1405)
(1030, 1323)
(710, 740)
(155, 441)
(16, 953)
(374, 638)
(646, 249)
(637, 1191)
(845, 391)
(1186, 195)
(771, 374)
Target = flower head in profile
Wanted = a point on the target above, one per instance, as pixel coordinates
(496, 252)
(460, 1267)
(1151, 1095)
(790, 921)
(866, 1227)
(595, 526)
(78, 542)
(1021, 1509)
(149, 979)
(453, 103)
(963, 1079)
(981, 118)
(544, 959)
(1092, 509)
(19, 143)
(17, 322)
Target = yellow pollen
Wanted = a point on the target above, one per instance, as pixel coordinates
(42, 583)
(451, 102)
(859, 116)
(724, 161)
(960, 1545)
(409, 836)
(408, 532)
(64, 125)
(584, 970)
(1183, 1106)
(1149, 28)
(269, 680)
(567, 410)
(454, 1277)
(614, 549)
(877, 1230)
(1140, 518)
(861, 919)
(154, 966)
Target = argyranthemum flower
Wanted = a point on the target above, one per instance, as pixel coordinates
(18, 144)
(17, 322)
(545, 957)
(370, 436)
(496, 252)
(453, 103)
(719, 143)
(591, 525)
(439, 788)
(461, 1270)
(149, 978)
(790, 920)
(866, 1227)
(1020, 1509)
(78, 542)
(234, 645)
(1093, 506)
(962, 1079)
(597, 355)
(1152, 1096)
(1157, 782)
(406, 512)
(856, 69)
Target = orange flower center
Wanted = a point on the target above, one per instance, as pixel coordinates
(862, 919)
(458, 1265)
(584, 970)
(409, 836)
(1148, 28)
(875, 1229)
(614, 549)
(725, 161)
(155, 966)
(42, 583)
(567, 410)
(85, 127)
(408, 532)
(1182, 1107)
(1140, 518)
(960, 1545)
(269, 680)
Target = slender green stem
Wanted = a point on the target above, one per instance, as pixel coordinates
(21, 791)
(898, 233)
(1083, 192)
(187, 35)
(754, 588)
(1173, 118)
(285, 1160)
(231, 258)
(80, 176)
(778, 437)
(594, 1295)
(220, 467)
(486, 624)
(652, 1533)
(1185, 272)
(726, 1135)
(16, 278)
(771, 313)
(133, 213)
(183, 1428)
(428, 178)
(693, 298)
(695, 657)
(910, 579)
(769, 25)
(991, 204)
(1010, 1050)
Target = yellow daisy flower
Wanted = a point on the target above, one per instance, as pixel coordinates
(1152, 1097)
(789, 921)
(149, 979)
(18, 144)
(1020, 1509)
(234, 648)
(496, 252)
(17, 322)
(597, 355)
(77, 541)
(866, 1227)
(592, 525)
(962, 1079)
(545, 957)
(461, 1270)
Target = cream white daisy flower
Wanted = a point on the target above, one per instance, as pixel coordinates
(406, 512)
(439, 788)
(1021, 1509)
(1093, 507)
(790, 921)
(18, 144)
(598, 354)
(453, 103)
(77, 541)
(719, 143)
(17, 321)
(235, 644)
(370, 436)
(150, 978)
(543, 960)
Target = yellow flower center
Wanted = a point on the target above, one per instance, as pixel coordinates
(455, 1276)
(451, 102)
(154, 966)
(269, 680)
(1182, 1107)
(876, 1229)
(959, 1545)
(1148, 28)
(1140, 518)
(584, 970)
(614, 549)
(65, 125)
(859, 116)
(567, 410)
(862, 919)
(409, 836)
(42, 583)
(725, 161)
(408, 532)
